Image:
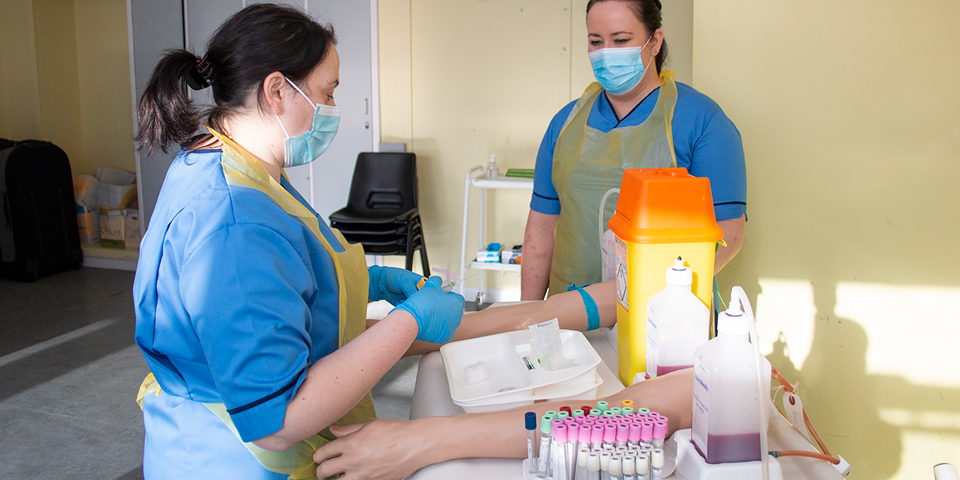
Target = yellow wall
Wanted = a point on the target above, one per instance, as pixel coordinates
(460, 81)
(66, 79)
(849, 115)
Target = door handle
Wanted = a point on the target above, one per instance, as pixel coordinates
(366, 106)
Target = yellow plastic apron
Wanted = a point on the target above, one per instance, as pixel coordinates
(587, 163)
(242, 169)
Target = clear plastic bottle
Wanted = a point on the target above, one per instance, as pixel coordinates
(492, 171)
(726, 419)
(677, 323)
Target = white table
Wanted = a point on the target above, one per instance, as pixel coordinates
(431, 398)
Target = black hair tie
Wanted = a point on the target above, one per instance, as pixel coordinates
(201, 75)
(659, 5)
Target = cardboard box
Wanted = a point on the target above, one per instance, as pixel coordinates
(111, 229)
(89, 225)
(131, 232)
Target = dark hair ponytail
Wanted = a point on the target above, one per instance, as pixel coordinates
(165, 111)
(648, 12)
(253, 43)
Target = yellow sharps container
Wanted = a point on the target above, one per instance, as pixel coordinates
(662, 214)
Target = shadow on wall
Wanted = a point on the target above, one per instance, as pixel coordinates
(849, 403)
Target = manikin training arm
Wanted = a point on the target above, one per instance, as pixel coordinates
(394, 449)
(567, 307)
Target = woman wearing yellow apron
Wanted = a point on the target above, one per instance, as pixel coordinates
(250, 309)
(636, 116)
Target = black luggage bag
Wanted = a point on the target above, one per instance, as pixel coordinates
(38, 213)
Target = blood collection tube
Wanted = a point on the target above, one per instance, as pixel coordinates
(643, 467)
(633, 437)
(566, 409)
(646, 433)
(653, 414)
(605, 465)
(573, 435)
(554, 447)
(659, 434)
(626, 404)
(616, 416)
(616, 410)
(641, 410)
(623, 432)
(603, 406)
(609, 434)
(543, 462)
(530, 423)
(596, 412)
(656, 462)
(586, 408)
(627, 411)
(563, 414)
(582, 454)
(560, 460)
(592, 416)
(578, 413)
(596, 436)
(552, 414)
(629, 467)
(593, 466)
(616, 467)
(608, 413)
(583, 436)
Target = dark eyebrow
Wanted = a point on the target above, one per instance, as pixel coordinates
(621, 33)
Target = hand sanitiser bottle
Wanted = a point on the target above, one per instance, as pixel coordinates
(726, 418)
(677, 323)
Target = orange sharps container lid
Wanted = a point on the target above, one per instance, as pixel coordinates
(665, 205)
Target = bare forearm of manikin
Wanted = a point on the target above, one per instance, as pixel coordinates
(537, 255)
(393, 449)
(337, 382)
(733, 232)
(567, 307)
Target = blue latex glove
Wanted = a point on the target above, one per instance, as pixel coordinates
(392, 284)
(438, 313)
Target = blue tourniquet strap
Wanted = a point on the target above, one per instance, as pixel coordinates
(593, 313)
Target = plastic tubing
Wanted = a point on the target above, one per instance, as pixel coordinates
(804, 453)
(603, 203)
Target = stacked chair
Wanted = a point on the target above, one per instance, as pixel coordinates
(381, 212)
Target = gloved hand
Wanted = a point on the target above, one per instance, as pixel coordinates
(392, 284)
(438, 313)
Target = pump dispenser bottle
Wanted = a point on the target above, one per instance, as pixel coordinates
(677, 323)
(726, 419)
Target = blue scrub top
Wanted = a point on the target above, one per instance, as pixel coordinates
(234, 297)
(706, 142)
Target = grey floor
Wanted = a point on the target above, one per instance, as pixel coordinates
(69, 373)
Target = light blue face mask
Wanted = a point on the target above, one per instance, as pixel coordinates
(305, 148)
(618, 70)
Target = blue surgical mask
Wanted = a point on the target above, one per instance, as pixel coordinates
(305, 148)
(618, 70)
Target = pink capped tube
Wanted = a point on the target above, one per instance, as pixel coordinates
(634, 435)
(588, 422)
(596, 436)
(559, 432)
(646, 433)
(659, 433)
(653, 414)
(617, 417)
(580, 419)
(573, 431)
(592, 417)
(630, 416)
(583, 435)
(609, 434)
(623, 433)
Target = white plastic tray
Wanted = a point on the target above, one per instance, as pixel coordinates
(504, 368)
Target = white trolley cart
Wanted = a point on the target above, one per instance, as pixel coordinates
(483, 183)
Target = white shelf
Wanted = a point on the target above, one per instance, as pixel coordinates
(503, 183)
(500, 267)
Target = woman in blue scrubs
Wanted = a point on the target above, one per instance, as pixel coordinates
(636, 116)
(250, 309)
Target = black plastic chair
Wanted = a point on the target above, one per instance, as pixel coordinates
(381, 212)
